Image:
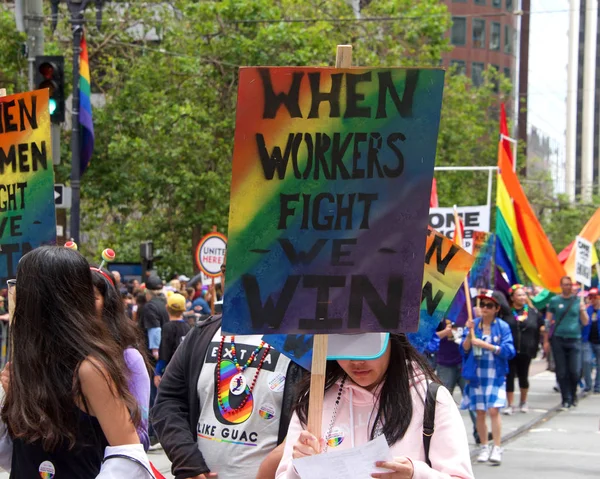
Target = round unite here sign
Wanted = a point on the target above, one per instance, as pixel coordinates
(210, 254)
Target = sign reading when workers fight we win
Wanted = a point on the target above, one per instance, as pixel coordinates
(27, 217)
(332, 172)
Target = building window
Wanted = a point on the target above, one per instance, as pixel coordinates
(479, 2)
(507, 73)
(459, 31)
(497, 3)
(477, 73)
(460, 67)
(478, 33)
(509, 5)
(508, 39)
(495, 37)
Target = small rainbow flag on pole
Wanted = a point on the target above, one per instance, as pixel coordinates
(85, 107)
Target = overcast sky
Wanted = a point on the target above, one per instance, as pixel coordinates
(548, 58)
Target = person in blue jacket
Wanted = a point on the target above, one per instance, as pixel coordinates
(590, 336)
(487, 346)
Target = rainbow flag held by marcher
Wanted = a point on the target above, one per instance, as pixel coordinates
(590, 232)
(521, 238)
(85, 108)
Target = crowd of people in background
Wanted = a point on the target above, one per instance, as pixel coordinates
(486, 356)
(178, 394)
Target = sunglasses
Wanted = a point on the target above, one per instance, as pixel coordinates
(487, 305)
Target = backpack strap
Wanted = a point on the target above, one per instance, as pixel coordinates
(429, 418)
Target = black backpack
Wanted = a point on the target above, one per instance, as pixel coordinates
(429, 418)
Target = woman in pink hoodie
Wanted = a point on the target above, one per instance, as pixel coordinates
(367, 398)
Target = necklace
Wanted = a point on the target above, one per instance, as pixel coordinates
(241, 369)
(521, 317)
(237, 385)
(334, 414)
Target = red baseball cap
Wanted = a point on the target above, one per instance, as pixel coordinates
(488, 294)
(593, 292)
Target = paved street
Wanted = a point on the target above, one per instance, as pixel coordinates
(565, 445)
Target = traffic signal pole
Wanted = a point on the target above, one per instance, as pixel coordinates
(34, 26)
(77, 9)
(77, 26)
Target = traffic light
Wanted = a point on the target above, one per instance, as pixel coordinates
(49, 72)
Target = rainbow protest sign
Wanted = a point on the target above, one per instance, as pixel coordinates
(480, 276)
(27, 217)
(332, 173)
(446, 266)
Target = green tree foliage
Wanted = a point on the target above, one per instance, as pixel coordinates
(565, 220)
(13, 65)
(162, 162)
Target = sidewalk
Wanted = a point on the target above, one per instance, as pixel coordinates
(565, 446)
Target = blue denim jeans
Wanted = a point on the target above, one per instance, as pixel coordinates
(451, 376)
(590, 350)
(567, 355)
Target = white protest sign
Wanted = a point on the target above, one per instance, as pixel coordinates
(475, 218)
(583, 261)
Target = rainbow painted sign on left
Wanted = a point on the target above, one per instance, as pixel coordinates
(27, 216)
(332, 172)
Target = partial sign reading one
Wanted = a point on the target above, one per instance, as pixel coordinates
(27, 216)
(332, 173)
(475, 218)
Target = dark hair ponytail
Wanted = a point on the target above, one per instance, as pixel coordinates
(123, 330)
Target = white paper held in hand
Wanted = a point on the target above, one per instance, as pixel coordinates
(357, 462)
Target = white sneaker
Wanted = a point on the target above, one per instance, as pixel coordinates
(496, 455)
(524, 408)
(484, 453)
(508, 411)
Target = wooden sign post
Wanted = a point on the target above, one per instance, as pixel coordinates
(343, 59)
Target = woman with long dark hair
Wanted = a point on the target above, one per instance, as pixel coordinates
(526, 325)
(110, 309)
(67, 407)
(384, 396)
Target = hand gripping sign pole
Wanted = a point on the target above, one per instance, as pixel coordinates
(319, 360)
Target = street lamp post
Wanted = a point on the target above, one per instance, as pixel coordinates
(77, 10)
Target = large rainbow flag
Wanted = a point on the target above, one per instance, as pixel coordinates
(85, 108)
(520, 236)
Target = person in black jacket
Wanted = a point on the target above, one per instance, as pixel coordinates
(223, 403)
(172, 334)
(526, 324)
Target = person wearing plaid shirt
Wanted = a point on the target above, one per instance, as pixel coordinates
(487, 346)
